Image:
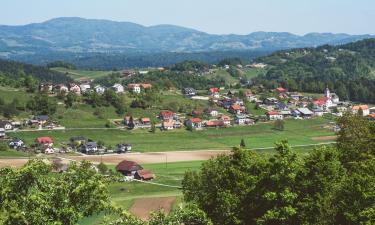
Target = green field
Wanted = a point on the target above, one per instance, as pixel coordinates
(298, 132)
(76, 74)
(13, 154)
(123, 194)
(223, 74)
(252, 72)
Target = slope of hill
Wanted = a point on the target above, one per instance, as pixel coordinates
(347, 69)
(76, 37)
(12, 72)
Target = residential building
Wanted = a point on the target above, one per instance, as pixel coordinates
(236, 109)
(123, 148)
(167, 115)
(89, 147)
(225, 119)
(365, 109)
(305, 112)
(273, 115)
(189, 91)
(118, 88)
(46, 141)
(214, 92)
(6, 125)
(2, 132)
(214, 123)
(243, 119)
(61, 88)
(75, 89)
(195, 123)
(128, 168)
(212, 112)
(144, 175)
(168, 125)
(99, 89)
(85, 87)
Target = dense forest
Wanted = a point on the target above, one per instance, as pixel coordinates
(347, 69)
(20, 74)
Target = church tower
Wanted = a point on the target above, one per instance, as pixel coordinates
(327, 93)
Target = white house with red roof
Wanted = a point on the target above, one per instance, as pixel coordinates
(328, 100)
(365, 109)
(195, 123)
(273, 115)
(214, 92)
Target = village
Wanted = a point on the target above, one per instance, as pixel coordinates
(225, 108)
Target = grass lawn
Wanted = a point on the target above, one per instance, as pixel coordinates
(123, 194)
(298, 132)
(13, 154)
(256, 112)
(8, 94)
(223, 74)
(76, 74)
(252, 72)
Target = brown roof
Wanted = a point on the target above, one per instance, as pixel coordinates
(145, 174)
(126, 165)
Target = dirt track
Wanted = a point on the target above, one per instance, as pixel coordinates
(144, 206)
(155, 157)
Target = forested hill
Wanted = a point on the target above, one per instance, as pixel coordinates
(12, 72)
(347, 69)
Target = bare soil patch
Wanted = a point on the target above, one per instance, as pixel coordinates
(144, 206)
(152, 157)
(12, 162)
(325, 138)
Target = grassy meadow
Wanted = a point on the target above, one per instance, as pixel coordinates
(77, 74)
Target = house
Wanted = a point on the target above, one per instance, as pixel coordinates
(6, 125)
(123, 148)
(61, 88)
(84, 87)
(280, 90)
(128, 168)
(189, 91)
(371, 116)
(16, 143)
(365, 109)
(236, 109)
(135, 88)
(273, 115)
(295, 95)
(318, 111)
(42, 119)
(214, 92)
(214, 123)
(211, 112)
(167, 115)
(47, 141)
(305, 112)
(2, 132)
(270, 101)
(46, 87)
(281, 106)
(99, 89)
(332, 96)
(75, 89)
(243, 119)
(249, 95)
(238, 101)
(144, 122)
(285, 113)
(46, 149)
(225, 119)
(144, 175)
(89, 147)
(168, 125)
(195, 123)
(118, 88)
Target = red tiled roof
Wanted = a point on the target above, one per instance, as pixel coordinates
(145, 120)
(280, 89)
(126, 165)
(145, 174)
(146, 85)
(166, 113)
(236, 107)
(43, 140)
(272, 113)
(357, 107)
(214, 123)
(196, 120)
(214, 90)
(372, 115)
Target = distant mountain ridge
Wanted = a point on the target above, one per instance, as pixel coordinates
(75, 36)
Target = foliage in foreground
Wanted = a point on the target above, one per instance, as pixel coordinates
(329, 186)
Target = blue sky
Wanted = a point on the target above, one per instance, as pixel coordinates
(212, 16)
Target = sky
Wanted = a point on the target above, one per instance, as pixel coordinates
(211, 16)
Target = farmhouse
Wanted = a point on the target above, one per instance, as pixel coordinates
(118, 88)
(273, 115)
(89, 147)
(136, 88)
(122, 148)
(75, 89)
(99, 89)
(128, 168)
(211, 112)
(305, 112)
(214, 123)
(167, 115)
(44, 141)
(214, 92)
(61, 88)
(2, 132)
(144, 175)
(243, 120)
(42, 119)
(84, 87)
(365, 109)
(6, 125)
(225, 119)
(189, 91)
(195, 123)
(168, 125)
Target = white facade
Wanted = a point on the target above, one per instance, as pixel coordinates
(99, 89)
(118, 88)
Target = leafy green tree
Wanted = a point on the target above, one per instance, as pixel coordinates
(70, 99)
(30, 195)
(242, 144)
(103, 168)
(279, 125)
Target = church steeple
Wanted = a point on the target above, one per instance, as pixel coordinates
(327, 93)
